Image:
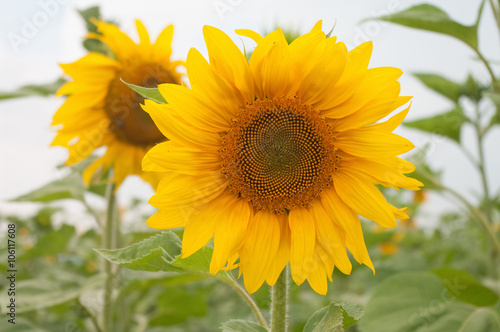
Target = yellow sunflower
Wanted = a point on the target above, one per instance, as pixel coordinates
(276, 158)
(102, 111)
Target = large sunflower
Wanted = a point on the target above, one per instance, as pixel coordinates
(276, 158)
(102, 111)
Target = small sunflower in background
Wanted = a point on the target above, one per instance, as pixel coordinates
(101, 110)
(276, 157)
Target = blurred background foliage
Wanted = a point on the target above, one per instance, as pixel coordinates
(441, 279)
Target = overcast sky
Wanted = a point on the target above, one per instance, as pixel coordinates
(25, 134)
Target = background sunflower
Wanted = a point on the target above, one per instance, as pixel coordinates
(102, 111)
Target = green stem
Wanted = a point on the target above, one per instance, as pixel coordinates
(478, 215)
(279, 304)
(108, 243)
(494, 82)
(248, 299)
(496, 14)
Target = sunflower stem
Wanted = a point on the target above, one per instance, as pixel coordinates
(279, 302)
(248, 299)
(108, 243)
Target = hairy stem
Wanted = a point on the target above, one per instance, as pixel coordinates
(108, 243)
(279, 303)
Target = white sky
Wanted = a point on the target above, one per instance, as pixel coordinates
(27, 162)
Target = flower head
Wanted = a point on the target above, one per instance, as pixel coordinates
(276, 157)
(102, 111)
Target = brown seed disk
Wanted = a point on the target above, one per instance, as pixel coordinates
(129, 122)
(279, 154)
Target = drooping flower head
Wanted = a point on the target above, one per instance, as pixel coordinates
(102, 111)
(276, 157)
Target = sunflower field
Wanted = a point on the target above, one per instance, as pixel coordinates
(250, 166)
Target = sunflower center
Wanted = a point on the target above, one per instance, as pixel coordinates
(129, 122)
(278, 154)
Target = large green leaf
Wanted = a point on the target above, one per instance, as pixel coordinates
(335, 317)
(431, 18)
(147, 255)
(447, 124)
(441, 85)
(70, 186)
(43, 90)
(418, 302)
(237, 325)
(162, 252)
(464, 287)
(148, 93)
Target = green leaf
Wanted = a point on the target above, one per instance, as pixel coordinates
(43, 90)
(335, 317)
(162, 252)
(147, 255)
(464, 287)
(51, 243)
(148, 93)
(351, 313)
(237, 325)
(441, 85)
(70, 186)
(89, 15)
(431, 18)
(42, 293)
(328, 319)
(446, 124)
(418, 301)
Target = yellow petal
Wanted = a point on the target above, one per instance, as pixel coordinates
(327, 71)
(346, 219)
(228, 61)
(303, 238)
(230, 231)
(331, 239)
(143, 34)
(162, 49)
(185, 191)
(214, 92)
(172, 156)
(375, 81)
(370, 142)
(250, 34)
(387, 176)
(352, 77)
(190, 108)
(394, 122)
(259, 252)
(371, 112)
(169, 218)
(317, 278)
(363, 197)
(171, 126)
(283, 253)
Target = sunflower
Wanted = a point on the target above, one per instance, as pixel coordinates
(102, 111)
(276, 157)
